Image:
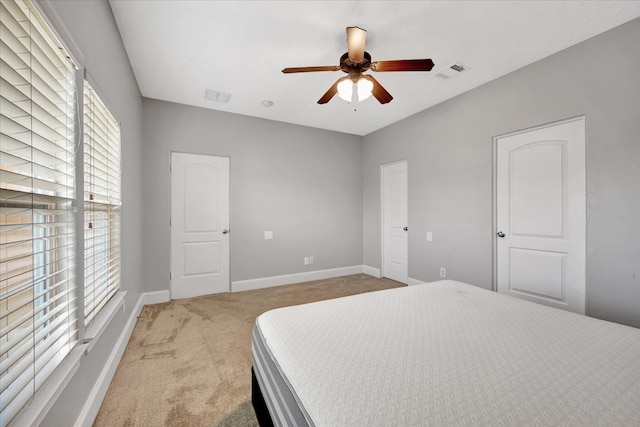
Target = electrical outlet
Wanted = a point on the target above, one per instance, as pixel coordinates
(443, 272)
(429, 236)
(268, 235)
(310, 260)
(306, 260)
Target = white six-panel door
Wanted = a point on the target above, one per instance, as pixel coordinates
(199, 225)
(541, 217)
(394, 222)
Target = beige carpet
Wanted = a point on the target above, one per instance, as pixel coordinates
(188, 362)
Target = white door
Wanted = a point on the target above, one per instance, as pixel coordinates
(199, 225)
(541, 216)
(394, 222)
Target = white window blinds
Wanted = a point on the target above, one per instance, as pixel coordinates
(38, 324)
(101, 204)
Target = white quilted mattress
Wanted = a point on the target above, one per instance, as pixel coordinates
(448, 353)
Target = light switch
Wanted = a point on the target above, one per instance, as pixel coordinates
(429, 236)
(268, 235)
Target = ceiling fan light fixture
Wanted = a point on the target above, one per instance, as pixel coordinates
(349, 89)
(345, 89)
(365, 87)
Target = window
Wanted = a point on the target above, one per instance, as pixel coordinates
(101, 204)
(41, 299)
(38, 293)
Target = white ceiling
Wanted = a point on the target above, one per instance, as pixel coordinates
(178, 49)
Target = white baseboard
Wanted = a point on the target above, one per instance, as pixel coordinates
(94, 400)
(287, 279)
(371, 271)
(157, 297)
(413, 282)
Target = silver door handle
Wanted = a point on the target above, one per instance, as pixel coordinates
(225, 231)
(500, 234)
(405, 228)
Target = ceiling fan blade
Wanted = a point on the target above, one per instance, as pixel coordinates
(356, 39)
(403, 65)
(330, 93)
(378, 91)
(310, 69)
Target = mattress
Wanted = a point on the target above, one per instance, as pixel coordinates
(445, 353)
(280, 401)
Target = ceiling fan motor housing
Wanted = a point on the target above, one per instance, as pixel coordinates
(353, 67)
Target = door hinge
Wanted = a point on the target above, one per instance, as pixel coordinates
(169, 275)
(170, 224)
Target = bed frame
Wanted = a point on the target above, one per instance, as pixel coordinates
(259, 405)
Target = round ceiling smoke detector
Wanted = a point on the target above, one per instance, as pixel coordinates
(267, 103)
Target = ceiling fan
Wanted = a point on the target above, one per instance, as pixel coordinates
(355, 62)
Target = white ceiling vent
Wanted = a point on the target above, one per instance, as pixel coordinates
(214, 95)
(452, 70)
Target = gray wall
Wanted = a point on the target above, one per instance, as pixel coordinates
(92, 27)
(449, 152)
(319, 190)
(304, 184)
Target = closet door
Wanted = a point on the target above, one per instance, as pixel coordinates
(541, 222)
(199, 225)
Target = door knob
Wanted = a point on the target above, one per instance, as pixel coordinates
(500, 234)
(405, 228)
(225, 231)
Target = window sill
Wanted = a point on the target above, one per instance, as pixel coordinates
(34, 413)
(43, 400)
(103, 319)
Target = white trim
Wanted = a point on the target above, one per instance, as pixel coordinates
(46, 397)
(156, 297)
(371, 271)
(413, 282)
(53, 19)
(287, 279)
(580, 117)
(381, 224)
(34, 413)
(102, 320)
(94, 400)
